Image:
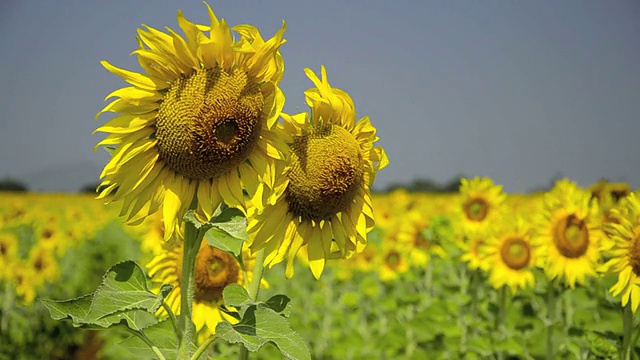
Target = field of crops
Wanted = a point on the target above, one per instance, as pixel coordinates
(475, 274)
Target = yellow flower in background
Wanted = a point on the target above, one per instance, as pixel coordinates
(214, 269)
(323, 201)
(43, 264)
(473, 251)
(413, 234)
(511, 257)
(481, 203)
(392, 260)
(625, 251)
(8, 253)
(568, 234)
(195, 126)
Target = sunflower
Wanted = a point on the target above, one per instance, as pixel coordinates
(323, 201)
(512, 256)
(625, 252)
(214, 269)
(194, 129)
(415, 235)
(392, 260)
(568, 234)
(481, 203)
(473, 251)
(8, 253)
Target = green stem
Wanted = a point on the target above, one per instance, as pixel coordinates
(174, 321)
(428, 277)
(258, 271)
(253, 290)
(192, 241)
(627, 323)
(203, 347)
(501, 316)
(147, 341)
(551, 317)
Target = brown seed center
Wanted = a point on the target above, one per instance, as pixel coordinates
(571, 236)
(327, 169)
(209, 122)
(515, 253)
(214, 270)
(476, 209)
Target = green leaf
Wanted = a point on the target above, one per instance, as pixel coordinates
(236, 295)
(279, 303)
(160, 334)
(190, 216)
(225, 242)
(261, 325)
(122, 297)
(228, 230)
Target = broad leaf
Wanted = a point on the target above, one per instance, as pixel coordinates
(236, 295)
(260, 325)
(122, 297)
(279, 303)
(161, 334)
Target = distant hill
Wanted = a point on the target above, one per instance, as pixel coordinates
(67, 178)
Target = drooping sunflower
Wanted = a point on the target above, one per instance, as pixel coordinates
(568, 234)
(624, 231)
(511, 256)
(214, 269)
(480, 204)
(323, 200)
(195, 126)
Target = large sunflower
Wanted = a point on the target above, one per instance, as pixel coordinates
(624, 231)
(323, 201)
(480, 204)
(511, 256)
(194, 129)
(568, 234)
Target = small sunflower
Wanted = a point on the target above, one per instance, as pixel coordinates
(473, 251)
(392, 260)
(323, 201)
(512, 256)
(625, 252)
(568, 234)
(8, 253)
(214, 269)
(480, 204)
(195, 127)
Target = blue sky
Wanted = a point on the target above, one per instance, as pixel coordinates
(518, 91)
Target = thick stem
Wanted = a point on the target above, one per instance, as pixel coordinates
(627, 323)
(551, 317)
(253, 290)
(192, 241)
(258, 271)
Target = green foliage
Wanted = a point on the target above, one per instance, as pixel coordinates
(262, 322)
(28, 331)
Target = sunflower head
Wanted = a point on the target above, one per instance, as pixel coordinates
(511, 255)
(324, 197)
(213, 271)
(194, 127)
(480, 204)
(568, 234)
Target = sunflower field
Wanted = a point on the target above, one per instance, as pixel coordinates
(225, 227)
(476, 274)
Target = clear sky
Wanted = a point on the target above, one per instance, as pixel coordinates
(520, 91)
